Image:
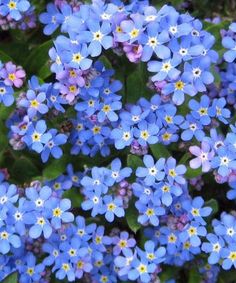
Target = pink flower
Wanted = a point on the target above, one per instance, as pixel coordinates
(12, 75)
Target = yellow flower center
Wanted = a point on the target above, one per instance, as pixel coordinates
(179, 85)
(57, 212)
(134, 33)
(34, 103)
(142, 268)
(12, 76)
(30, 271)
(232, 256)
(150, 212)
(96, 130)
(76, 58)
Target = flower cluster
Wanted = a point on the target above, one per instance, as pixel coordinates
(157, 148)
(10, 76)
(16, 14)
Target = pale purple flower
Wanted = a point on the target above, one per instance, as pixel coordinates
(204, 156)
(12, 75)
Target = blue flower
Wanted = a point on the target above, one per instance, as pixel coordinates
(196, 211)
(141, 269)
(8, 195)
(130, 30)
(153, 171)
(214, 247)
(8, 239)
(52, 19)
(229, 43)
(31, 271)
(76, 57)
(192, 232)
(229, 255)
(164, 69)
(134, 115)
(174, 173)
(114, 207)
(149, 212)
(52, 146)
(151, 253)
(198, 74)
(83, 231)
(97, 36)
(218, 111)
(154, 41)
(94, 201)
(36, 137)
(34, 103)
(192, 128)
(178, 89)
(165, 192)
(6, 94)
(39, 225)
(122, 136)
(200, 110)
(146, 133)
(14, 8)
(122, 243)
(224, 161)
(58, 212)
(107, 110)
(37, 199)
(116, 173)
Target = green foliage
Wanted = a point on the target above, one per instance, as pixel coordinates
(55, 168)
(12, 278)
(134, 161)
(136, 84)
(131, 217)
(159, 150)
(37, 61)
(214, 205)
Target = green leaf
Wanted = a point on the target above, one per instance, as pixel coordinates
(193, 173)
(75, 196)
(4, 57)
(134, 161)
(194, 276)
(214, 205)
(106, 62)
(215, 29)
(185, 158)
(136, 84)
(23, 169)
(159, 150)
(38, 58)
(55, 168)
(131, 215)
(12, 278)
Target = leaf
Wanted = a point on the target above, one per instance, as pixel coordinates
(214, 205)
(106, 62)
(12, 278)
(132, 216)
(4, 57)
(24, 169)
(38, 57)
(75, 196)
(194, 276)
(159, 150)
(134, 161)
(136, 84)
(215, 29)
(185, 158)
(193, 173)
(55, 168)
